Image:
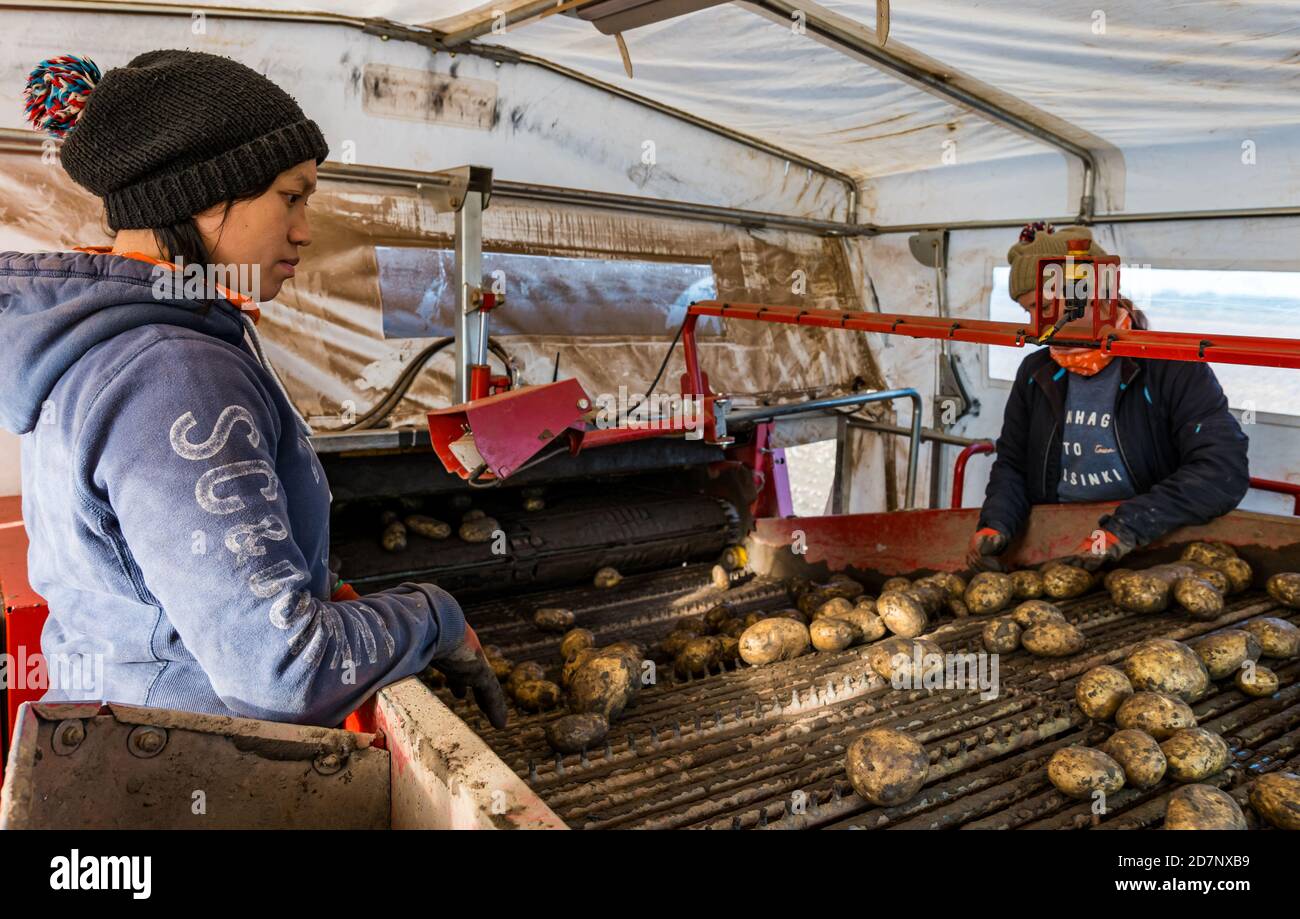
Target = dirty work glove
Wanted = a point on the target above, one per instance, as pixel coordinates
(466, 667)
(1100, 547)
(986, 544)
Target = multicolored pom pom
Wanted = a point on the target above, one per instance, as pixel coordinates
(56, 93)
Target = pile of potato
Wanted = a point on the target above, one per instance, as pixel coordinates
(394, 529)
(1148, 698)
(1036, 625)
(1197, 583)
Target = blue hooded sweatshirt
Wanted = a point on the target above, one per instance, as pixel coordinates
(178, 516)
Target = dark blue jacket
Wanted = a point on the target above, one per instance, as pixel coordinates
(1185, 453)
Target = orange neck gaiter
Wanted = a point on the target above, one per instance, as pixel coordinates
(1087, 361)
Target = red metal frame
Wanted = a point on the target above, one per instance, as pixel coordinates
(959, 478)
(959, 468)
(1170, 346)
(1282, 488)
(24, 613)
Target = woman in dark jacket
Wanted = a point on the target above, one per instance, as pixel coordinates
(1080, 425)
(178, 516)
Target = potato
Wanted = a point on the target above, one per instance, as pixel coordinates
(1036, 612)
(523, 672)
(1140, 592)
(537, 695)
(899, 654)
(732, 628)
(797, 586)
(697, 656)
(604, 684)
(674, 641)
(841, 585)
(1100, 692)
(1138, 755)
(1276, 637)
(866, 603)
(952, 584)
(773, 640)
(501, 666)
(553, 619)
(1224, 652)
(1217, 578)
(958, 608)
(1166, 666)
(988, 592)
(1194, 754)
(532, 505)
(474, 514)
(886, 767)
(895, 584)
(1159, 715)
(1053, 639)
(574, 641)
(1199, 598)
(1276, 798)
(869, 625)
(427, 527)
(1001, 635)
(1240, 575)
(832, 634)
(607, 578)
(575, 733)
(1077, 772)
(902, 613)
(393, 536)
(1207, 553)
(930, 596)
(728, 648)
(479, 529)
(1203, 807)
(1064, 582)
(1112, 576)
(692, 625)
(572, 664)
(1026, 585)
(1285, 589)
(715, 616)
(1257, 681)
(835, 608)
(810, 600)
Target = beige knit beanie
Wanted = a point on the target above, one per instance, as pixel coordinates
(1038, 240)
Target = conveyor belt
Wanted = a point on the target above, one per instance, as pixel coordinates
(764, 747)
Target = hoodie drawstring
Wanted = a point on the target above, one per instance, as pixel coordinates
(250, 328)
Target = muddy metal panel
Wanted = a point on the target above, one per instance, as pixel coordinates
(443, 775)
(910, 541)
(84, 765)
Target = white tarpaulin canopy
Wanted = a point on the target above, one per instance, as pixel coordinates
(1152, 88)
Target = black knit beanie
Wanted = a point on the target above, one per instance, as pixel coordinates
(170, 134)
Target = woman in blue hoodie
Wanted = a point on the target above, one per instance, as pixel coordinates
(177, 515)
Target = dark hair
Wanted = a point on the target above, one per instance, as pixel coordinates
(184, 241)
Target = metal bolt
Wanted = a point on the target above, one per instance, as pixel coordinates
(583, 404)
(328, 763)
(146, 741)
(68, 735)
